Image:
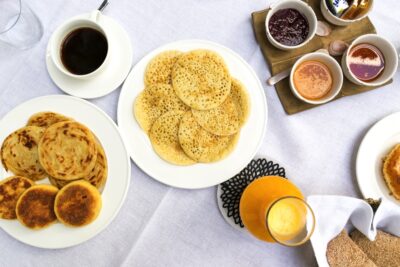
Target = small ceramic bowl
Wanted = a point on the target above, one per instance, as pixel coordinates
(304, 9)
(389, 53)
(338, 21)
(334, 67)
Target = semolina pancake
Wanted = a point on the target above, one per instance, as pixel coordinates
(35, 207)
(164, 138)
(19, 153)
(97, 176)
(10, 190)
(46, 119)
(201, 79)
(160, 67)
(391, 171)
(241, 99)
(201, 145)
(153, 102)
(68, 150)
(78, 204)
(222, 120)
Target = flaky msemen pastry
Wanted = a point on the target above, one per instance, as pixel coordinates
(391, 171)
(35, 207)
(78, 204)
(19, 153)
(164, 138)
(153, 102)
(160, 67)
(97, 176)
(201, 79)
(10, 191)
(68, 150)
(46, 118)
(201, 145)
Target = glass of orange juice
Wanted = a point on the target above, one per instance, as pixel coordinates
(273, 209)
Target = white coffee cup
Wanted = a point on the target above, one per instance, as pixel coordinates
(67, 27)
(333, 66)
(389, 53)
(304, 9)
(338, 21)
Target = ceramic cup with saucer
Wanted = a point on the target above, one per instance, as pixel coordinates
(109, 75)
(389, 57)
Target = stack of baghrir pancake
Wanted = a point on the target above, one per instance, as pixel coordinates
(67, 153)
(191, 107)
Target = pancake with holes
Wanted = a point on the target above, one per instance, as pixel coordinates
(78, 204)
(35, 207)
(46, 119)
(160, 67)
(10, 191)
(19, 153)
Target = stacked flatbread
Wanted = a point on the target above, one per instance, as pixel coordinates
(67, 152)
(191, 107)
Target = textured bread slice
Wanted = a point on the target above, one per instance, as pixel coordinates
(391, 171)
(201, 79)
(19, 153)
(159, 69)
(46, 119)
(241, 99)
(10, 191)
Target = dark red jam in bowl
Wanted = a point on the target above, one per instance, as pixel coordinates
(288, 27)
(366, 62)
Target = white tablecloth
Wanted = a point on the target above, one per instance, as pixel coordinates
(163, 226)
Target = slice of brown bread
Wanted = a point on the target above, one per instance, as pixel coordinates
(343, 252)
(384, 251)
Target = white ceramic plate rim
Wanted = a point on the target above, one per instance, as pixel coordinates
(376, 144)
(59, 236)
(110, 78)
(188, 177)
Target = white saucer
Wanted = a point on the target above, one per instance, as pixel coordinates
(118, 68)
(377, 143)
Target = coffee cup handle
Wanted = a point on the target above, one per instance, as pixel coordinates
(95, 15)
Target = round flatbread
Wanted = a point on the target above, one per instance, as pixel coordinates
(164, 138)
(201, 145)
(97, 176)
(160, 67)
(153, 102)
(46, 119)
(78, 204)
(222, 120)
(241, 99)
(68, 150)
(10, 191)
(19, 153)
(201, 79)
(35, 207)
(391, 171)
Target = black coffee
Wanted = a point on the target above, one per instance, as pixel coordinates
(83, 50)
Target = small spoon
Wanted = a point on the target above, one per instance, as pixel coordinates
(103, 5)
(336, 48)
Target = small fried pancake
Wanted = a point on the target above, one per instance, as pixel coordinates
(201, 79)
(201, 145)
(160, 67)
(164, 138)
(46, 119)
(391, 171)
(97, 176)
(35, 207)
(68, 150)
(10, 190)
(242, 101)
(153, 102)
(222, 120)
(19, 153)
(78, 204)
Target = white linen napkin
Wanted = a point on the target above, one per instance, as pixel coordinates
(335, 213)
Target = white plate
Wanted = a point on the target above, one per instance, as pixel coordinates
(198, 175)
(377, 143)
(108, 80)
(113, 196)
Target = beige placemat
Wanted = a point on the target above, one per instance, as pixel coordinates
(279, 60)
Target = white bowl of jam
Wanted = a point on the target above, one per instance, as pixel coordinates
(370, 60)
(290, 24)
